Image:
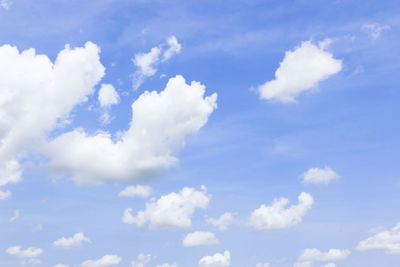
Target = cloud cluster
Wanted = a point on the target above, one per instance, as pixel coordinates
(28, 255)
(30, 108)
(277, 215)
(319, 176)
(72, 242)
(216, 260)
(301, 70)
(158, 129)
(147, 62)
(170, 211)
(389, 241)
(199, 238)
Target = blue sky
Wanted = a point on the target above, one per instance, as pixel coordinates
(306, 100)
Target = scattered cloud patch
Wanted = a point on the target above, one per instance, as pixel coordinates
(72, 242)
(147, 63)
(319, 176)
(170, 211)
(107, 97)
(388, 240)
(313, 254)
(199, 239)
(374, 30)
(28, 256)
(6, 4)
(15, 216)
(61, 265)
(216, 260)
(277, 215)
(223, 222)
(136, 191)
(141, 260)
(158, 129)
(105, 261)
(301, 70)
(263, 264)
(167, 265)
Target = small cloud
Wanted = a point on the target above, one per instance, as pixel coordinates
(199, 239)
(6, 4)
(138, 190)
(28, 256)
(223, 222)
(319, 176)
(16, 215)
(72, 242)
(218, 259)
(374, 30)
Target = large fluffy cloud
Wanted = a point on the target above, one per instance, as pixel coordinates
(72, 242)
(389, 241)
(36, 95)
(170, 211)
(157, 132)
(146, 63)
(199, 238)
(277, 215)
(105, 261)
(301, 69)
(28, 256)
(216, 260)
(319, 176)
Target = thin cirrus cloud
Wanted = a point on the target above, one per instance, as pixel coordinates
(388, 240)
(199, 238)
(136, 191)
(28, 256)
(216, 260)
(72, 242)
(300, 70)
(147, 63)
(105, 261)
(277, 215)
(223, 222)
(374, 29)
(170, 211)
(319, 176)
(32, 107)
(158, 129)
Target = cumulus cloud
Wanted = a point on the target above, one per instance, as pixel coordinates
(107, 97)
(105, 261)
(170, 211)
(147, 63)
(15, 216)
(30, 108)
(313, 254)
(389, 241)
(374, 30)
(199, 238)
(28, 256)
(223, 222)
(158, 129)
(301, 70)
(72, 242)
(319, 176)
(277, 215)
(216, 260)
(136, 190)
(141, 260)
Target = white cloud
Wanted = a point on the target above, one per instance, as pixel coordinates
(28, 255)
(302, 264)
(168, 265)
(16, 215)
(313, 254)
(278, 216)
(216, 260)
(375, 30)
(159, 126)
(6, 4)
(388, 240)
(72, 242)
(108, 96)
(319, 176)
(331, 264)
(301, 70)
(174, 48)
(223, 222)
(136, 190)
(61, 265)
(30, 108)
(105, 261)
(170, 211)
(141, 260)
(5, 194)
(147, 62)
(199, 239)
(263, 264)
